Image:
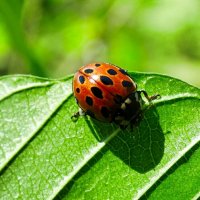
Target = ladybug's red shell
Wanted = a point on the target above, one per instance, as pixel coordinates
(101, 88)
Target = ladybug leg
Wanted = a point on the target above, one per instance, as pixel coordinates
(77, 115)
(149, 98)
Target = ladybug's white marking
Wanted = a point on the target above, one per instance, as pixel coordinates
(128, 101)
(123, 106)
(81, 112)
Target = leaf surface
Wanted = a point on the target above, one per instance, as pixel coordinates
(44, 155)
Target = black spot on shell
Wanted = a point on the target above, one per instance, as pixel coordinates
(78, 90)
(112, 72)
(97, 65)
(89, 101)
(127, 83)
(97, 92)
(81, 79)
(90, 113)
(88, 71)
(105, 112)
(123, 72)
(106, 80)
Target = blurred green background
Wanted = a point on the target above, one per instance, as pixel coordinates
(53, 38)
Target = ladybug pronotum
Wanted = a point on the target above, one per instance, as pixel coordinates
(107, 93)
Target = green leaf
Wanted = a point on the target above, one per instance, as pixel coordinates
(44, 155)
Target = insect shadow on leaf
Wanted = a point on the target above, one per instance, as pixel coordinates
(141, 147)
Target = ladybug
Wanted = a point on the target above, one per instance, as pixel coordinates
(107, 93)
